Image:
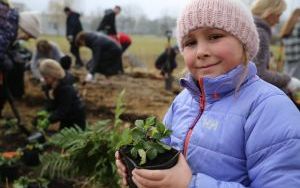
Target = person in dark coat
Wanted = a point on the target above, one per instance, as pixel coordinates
(13, 55)
(65, 105)
(19, 55)
(9, 19)
(108, 23)
(166, 61)
(73, 26)
(106, 54)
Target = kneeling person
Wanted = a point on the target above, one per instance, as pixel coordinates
(65, 104)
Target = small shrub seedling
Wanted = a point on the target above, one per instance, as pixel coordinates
(145, 139)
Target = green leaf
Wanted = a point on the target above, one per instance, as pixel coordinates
(139, 123)
(150, 121)
(126, 138)
(119, 109)
(159, 148)
(42, 114)
(137, 134)
(147, 145)
(153, 132)
(152, 153)
(156, 135)
(167, 133)
(139, 145)
(160, 127)
(142, 154)
(134, 152)
(166, 147)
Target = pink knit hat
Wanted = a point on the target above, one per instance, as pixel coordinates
(229, 15)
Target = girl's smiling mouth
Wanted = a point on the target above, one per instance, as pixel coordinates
(209, 65)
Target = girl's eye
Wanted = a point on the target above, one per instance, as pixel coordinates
(189, 43)
(215, 36)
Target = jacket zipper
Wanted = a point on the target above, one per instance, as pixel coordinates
(202, 106)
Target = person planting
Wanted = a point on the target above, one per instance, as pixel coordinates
(106, 54)
(65, 104)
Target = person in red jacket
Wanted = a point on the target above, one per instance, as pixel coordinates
(124, 40)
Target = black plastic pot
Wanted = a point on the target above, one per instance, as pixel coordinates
(31, 157)
(162, 161)
(9, 173)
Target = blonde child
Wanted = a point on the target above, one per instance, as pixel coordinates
(266, 15)
(234, 129)
(65, 105)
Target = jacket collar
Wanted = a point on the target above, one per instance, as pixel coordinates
(216, 88)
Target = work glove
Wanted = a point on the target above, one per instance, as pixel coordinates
(89, 77)
(294, 85)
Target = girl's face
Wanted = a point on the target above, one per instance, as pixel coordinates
(210, 52)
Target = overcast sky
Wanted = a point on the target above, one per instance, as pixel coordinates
(151, 8)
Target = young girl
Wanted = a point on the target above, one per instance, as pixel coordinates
(233, 129)
(65, 106)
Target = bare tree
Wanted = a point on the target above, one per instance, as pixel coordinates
(55, 15)
(127, 22)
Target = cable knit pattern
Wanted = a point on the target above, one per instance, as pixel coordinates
(229, 15)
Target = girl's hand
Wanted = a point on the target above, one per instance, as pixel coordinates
(178, 176)
(121, 168)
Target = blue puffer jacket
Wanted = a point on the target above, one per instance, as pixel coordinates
(248, 138)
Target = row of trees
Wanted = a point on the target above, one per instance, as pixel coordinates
(131, 20)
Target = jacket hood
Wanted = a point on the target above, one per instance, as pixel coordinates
(216, 88)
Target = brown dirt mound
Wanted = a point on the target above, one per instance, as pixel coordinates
(144, 96)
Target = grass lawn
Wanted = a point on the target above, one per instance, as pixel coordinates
(145, 48)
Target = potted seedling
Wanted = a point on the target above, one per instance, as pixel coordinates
(41, 121)
(141, 147)
(9, 165)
